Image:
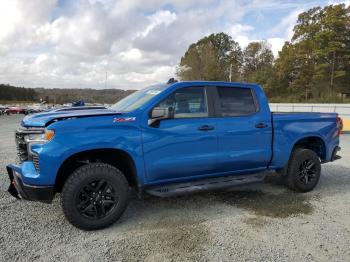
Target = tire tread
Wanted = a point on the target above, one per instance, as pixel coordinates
(289, 178)
(79, 175)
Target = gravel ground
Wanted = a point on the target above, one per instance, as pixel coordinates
(264, 222)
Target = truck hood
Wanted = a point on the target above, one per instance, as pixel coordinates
(45, 118)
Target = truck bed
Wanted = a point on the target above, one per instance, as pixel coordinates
(289, 128)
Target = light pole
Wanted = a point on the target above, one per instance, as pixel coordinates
(332, 74)
(106, 81)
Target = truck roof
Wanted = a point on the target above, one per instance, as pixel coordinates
(214, 83)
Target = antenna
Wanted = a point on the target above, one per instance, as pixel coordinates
(172, 80)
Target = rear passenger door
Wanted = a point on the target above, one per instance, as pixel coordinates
(244, 132)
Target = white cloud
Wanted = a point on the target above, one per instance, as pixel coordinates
(286, 25)
(276, 44)
(20, 22)
(136, 42)
(88, 33)
(346, 2)
(159, 18)
(238, 29)
(240, 33)
(243, 40)
(131, 55)
(9, 17)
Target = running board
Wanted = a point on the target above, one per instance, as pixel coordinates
(204, 185)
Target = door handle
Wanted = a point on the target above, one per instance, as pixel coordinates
(205, 128)
(261, 125)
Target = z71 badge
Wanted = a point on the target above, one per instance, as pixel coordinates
(123, 119)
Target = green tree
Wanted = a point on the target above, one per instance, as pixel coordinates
(316, 63)
(212, 58)
(257, 56)
(258, 64)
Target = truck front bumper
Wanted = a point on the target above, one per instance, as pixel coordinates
(20, 190)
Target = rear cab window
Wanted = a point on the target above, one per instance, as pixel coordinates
(236, 101)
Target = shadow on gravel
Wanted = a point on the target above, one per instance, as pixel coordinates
(275, 205)
(163, 235)
(171, 242)
(174, 228)
(281, 204)
(266, 204)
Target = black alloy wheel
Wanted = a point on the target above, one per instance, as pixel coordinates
(94, 196)
(307, 171)
(303, 171)
(96, 199)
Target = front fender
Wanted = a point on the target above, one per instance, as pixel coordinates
(72, 137)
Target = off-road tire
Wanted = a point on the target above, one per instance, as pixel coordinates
(80, 179)
(294, 179)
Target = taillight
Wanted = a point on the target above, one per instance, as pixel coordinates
(339, 124)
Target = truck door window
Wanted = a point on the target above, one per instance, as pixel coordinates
(236, 101)
(187, 102)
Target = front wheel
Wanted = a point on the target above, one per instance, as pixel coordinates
(94, 196)
(304, 170)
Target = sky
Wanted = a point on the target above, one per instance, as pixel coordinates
(127, 44)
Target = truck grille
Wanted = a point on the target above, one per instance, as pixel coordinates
(22, 150)
(35, 159)
(22, 147)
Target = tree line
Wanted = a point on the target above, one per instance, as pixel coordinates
(313, 66)
(12, 94)
(62, 96)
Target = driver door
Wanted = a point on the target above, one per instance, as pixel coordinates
(184, 146)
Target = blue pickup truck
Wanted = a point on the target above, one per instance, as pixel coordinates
(164, 140)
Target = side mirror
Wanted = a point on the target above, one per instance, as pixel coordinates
(159, 113)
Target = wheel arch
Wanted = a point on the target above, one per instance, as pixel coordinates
(115, 157)
(314, 143)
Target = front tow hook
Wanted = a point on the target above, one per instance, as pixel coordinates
(13, 191)
(12, 187)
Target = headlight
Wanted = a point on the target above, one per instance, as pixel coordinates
(40, 138)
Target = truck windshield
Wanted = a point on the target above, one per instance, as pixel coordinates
(137, 99)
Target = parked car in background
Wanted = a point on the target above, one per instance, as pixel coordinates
(35, 108)
(14, 110)
(29, 111)
(2, 110)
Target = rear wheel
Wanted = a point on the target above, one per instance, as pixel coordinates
(94, 196)
(304, 170)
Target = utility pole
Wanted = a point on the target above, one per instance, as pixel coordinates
(332, 73)
(106, 81)
(306, 93)
(230, 73)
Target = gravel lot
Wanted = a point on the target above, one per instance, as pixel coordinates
(254, 223)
